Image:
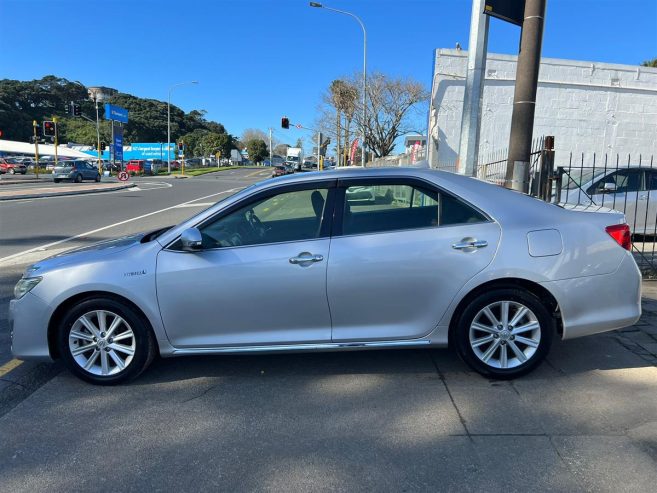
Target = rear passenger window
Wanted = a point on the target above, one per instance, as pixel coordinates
(390, 207)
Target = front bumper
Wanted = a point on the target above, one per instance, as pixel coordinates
(28, 328)
(594, 304)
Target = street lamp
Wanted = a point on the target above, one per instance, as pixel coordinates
(320, 6)
(169, 120)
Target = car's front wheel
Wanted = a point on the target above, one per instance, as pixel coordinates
(78, 179)
(57, 180)
(504, 333)
(97, 178)
(12, 171)
(105, 342)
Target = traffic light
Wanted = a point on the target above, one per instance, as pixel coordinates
(77, 110)
(67, 108)
(103, 146)
(181, 146)
(285, 122)
(49, 129)
(0, 134)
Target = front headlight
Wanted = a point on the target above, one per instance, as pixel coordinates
(25, 285)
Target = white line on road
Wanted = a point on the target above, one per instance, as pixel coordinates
(81, 235)
(198, 204)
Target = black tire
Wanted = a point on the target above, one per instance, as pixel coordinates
(57, 180)
(12, 171)
(97, 178)
(144, 340)
(461, 334)
(78, 179)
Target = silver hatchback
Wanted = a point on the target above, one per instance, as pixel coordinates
(429, 259)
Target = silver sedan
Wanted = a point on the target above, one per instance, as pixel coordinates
(430, 259)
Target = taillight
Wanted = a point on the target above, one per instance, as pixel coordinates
(620, 233)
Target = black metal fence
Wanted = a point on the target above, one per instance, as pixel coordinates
(624, 183)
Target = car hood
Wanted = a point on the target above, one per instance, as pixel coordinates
(84, 255)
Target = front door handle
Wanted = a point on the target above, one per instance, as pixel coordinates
(306, 257)
(643, 197)
(469, 244)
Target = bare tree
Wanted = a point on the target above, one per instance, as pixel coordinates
(391, 105)
(253, 134)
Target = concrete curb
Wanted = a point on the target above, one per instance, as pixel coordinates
(62, 194)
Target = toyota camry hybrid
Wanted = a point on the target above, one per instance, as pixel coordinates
(364, 259)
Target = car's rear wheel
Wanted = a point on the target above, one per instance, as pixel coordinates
(12, 171)
(78, 179)
(105, 342)
(57, 180)
(504, 333)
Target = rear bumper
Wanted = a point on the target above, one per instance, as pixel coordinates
(594, 304)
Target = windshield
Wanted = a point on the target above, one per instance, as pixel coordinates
(579, 178)
(293, 158)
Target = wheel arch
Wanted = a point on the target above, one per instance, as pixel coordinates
(510, 282)
(61, 309)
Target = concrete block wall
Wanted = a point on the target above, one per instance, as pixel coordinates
(588, 106)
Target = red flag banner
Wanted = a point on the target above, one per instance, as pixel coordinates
(354, 146)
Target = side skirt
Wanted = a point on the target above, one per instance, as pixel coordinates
(337, 346)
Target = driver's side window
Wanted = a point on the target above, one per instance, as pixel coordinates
(289, 216)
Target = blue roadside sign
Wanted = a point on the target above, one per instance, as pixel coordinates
(116, 113)
(118, 143)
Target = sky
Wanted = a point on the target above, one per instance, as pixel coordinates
(258, 60)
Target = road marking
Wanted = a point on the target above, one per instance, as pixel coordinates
(200, 204)
(257, 172)
(88, 233)
(9, 366)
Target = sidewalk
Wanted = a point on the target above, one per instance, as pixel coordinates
(61, 190)
(641, 338)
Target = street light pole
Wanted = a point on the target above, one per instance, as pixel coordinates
(320, 6)
(169, 121)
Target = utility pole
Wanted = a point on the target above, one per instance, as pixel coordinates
(474, 90)
(271, 152)
(524, 97)
(100, 162)
(319, 145)
(35, 126)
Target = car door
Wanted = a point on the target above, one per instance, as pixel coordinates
(621, 191)
(400, 253)
(260, 278)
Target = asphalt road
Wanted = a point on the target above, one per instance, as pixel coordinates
(406, 420)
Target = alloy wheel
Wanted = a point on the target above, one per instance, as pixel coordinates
(505, 334)
(102, 343)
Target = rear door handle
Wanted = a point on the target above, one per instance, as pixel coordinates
(305, 257)
(469, 244)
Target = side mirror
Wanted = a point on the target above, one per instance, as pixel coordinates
(191, 240)
(609, 187)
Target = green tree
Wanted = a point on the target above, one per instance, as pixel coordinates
(257, 149)
(213, 142)
(21, 102)
(650, 63)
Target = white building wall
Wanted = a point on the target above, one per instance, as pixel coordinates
(588, 107)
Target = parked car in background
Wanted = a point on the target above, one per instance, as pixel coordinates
(450, 261)
(630, 189)
(76, 171)
(12, 167)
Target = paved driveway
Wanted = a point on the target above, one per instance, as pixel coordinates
(409, 420)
